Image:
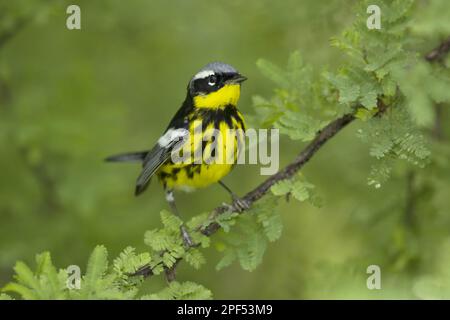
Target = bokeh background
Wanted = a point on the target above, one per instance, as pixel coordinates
(70, 98)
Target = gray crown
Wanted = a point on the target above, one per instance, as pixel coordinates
(213, 67)
(219, 67)
(209, 69)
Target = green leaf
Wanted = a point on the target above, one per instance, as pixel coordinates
(282, 187)
(299, 126)
(392, 137)
(128, 262)
(197, 221)
(348, 90)
(49, 276)
(349, 43)
(298, 187)
(25, 276)
(378, 59)
(382, 147)
(419, 102)
(250, 254)
(171, 221)
(4, 296)
(379, 173)
(97, 284)
(369, 95)
(45, 283)
(273, 72)
(365, 114)
(198, 237)
(162, 239)
(228, 258)
(389, 87)
(25, 292)
(272, 224)
(226, 220)
(301, 190)
(168, 259)
(295, 68)
(181, 291)
(96, 267)
(195, 258)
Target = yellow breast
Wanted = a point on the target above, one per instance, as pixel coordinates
(228, 94)
(199, 174)
(219, 109)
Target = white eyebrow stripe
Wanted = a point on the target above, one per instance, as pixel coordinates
(203, 74)
(171, 135)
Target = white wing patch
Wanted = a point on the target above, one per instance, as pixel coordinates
(203, 74)
(172, 135)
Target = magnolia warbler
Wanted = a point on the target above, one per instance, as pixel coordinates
(211, 103)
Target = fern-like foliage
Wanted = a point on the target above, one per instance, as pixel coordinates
(247, 241)
(127, 264)
(298, 107)
(48, 283)
(166, 244)
(181, 291)
(4, 296)
(299, 188)
(393, 137)
(382, 69)
(99, 282)
(44, 283)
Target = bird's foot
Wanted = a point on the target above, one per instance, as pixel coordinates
(186, 237)
(238, 204)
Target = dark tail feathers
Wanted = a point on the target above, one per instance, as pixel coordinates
(128, 157)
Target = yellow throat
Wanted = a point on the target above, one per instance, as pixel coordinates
(228, 94)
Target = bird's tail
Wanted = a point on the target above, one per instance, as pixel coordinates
(128, 157)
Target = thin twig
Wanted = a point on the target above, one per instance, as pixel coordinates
(410, 204)
(435, 55)
(11, 32)
(439, 52)
(438, 128)
(287, 172)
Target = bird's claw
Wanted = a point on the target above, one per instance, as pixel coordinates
(186, 237)
(238, 205)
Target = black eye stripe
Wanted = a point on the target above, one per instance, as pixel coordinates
(212, 79)
(211, 83)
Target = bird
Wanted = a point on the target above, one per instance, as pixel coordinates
(210, 106)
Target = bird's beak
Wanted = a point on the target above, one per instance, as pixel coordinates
(238, 78)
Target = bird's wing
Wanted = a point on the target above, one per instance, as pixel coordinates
(128, 157)
(160, 153)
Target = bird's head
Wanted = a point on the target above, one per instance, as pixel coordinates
(216, 85)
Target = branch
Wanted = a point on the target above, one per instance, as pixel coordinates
(437, 55)
(287, 172)
(410, 203)
(437, 133)
(257, 193)
(328, 132)
(439, 52)
(11, 32)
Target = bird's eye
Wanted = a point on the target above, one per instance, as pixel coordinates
(212, 80)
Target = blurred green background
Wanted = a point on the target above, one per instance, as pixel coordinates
(70, 98)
